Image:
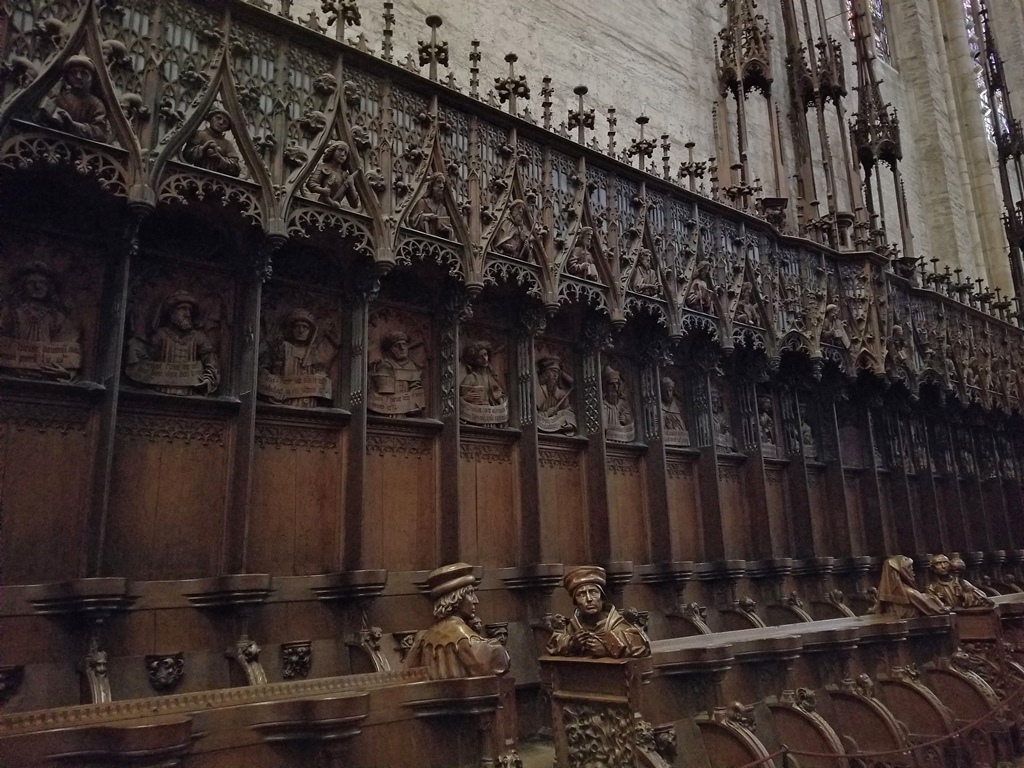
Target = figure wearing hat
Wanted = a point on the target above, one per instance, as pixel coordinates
(596, 628)
(178, 359)
(34, 315)
(451, 647)
(209, 148)
(396, 379)
(77, 109)
(304, 351)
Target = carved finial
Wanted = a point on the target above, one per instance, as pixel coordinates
(474, 70)
(386, 46)
(612, 122)
(512, 87)
(546, 91)
(641, 148)
(666, 147)
(581, 119)
(345, 11)
(434, 52)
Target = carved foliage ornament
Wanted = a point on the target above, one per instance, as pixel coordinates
(599, 736)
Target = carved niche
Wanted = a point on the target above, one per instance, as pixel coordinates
(555, 392)
(48, 314)
(673, 412)
(721, 412)
(617, 414)
(177, 333)
(398, 365)
(483, 376)
(301, 338)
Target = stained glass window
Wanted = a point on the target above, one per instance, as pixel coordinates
(878, 30)
(998, 115)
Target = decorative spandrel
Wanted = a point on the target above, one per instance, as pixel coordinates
(456, 645)
(483, 394)
(617, 414)
(397, 365)
(673, 413)
(299, 351)
(555, 394)
(40, 330)
(175, 337)
(596, 629)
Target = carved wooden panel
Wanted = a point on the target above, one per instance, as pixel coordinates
(777, 498)
(50, 296)
(400, 524)
(627, 507)
(733, 510)
(297, 493)
(684, 508)
(489, 496)
(43, 504)
(168, 495)
(855, 511)
(821, 513)
(563, 502)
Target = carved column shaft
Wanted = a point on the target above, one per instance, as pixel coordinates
(759, 534)
(599, 542)
(531, 547)
(234, 557)
(113, 321)
(659, 525)
(801, 520)
(448, 345)
(838, 513)
(699, 389)
(350, 557)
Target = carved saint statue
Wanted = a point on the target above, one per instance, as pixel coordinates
(482, 399)
(396, 379)
(38, 337)
(952, 590)
(596, 628)
(516, 235)
(210, 148)
(672, 413)
(178, 358)
(430, 214)
(898, 595)
(617, 415)
(645, 277)
(581, 258)
(746, 308)
(833, 328)
(333, 183)
(452, 648)
(77, 109)
(554, 397)
(296, 369)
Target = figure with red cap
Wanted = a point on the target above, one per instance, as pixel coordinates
(453, 646)
(596, 628)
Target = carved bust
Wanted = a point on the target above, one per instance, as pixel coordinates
(616, 414)
(554, 397)
(396, 378)
(38, 335)
(452, 647)
(333, 182)
(596, 629)
(954, 591)
(482, 397)
(898, 595)
(296, 371)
